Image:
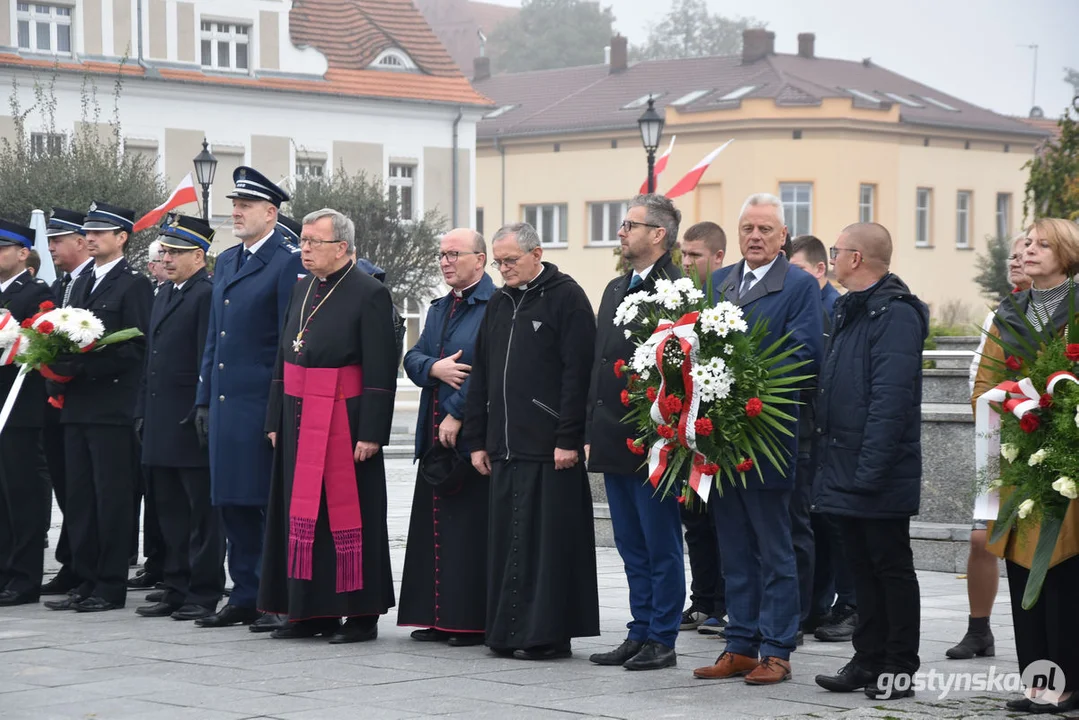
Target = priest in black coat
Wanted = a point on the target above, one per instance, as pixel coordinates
(327, 551)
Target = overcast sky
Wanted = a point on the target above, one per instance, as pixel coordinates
(966, 48)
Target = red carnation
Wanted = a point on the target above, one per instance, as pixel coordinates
(652, 394)
(674, 404)
(46, 327)
(634, 378)
(46, 306)
(1045, 401)
(28, 322)
(744, 466)
(665, 431)
(1012, 362)
(708, 469)
(754, 407)
(1029, 423)
(681, 499)
(1072, 352)
(625, 398)
(619, 364)
(634, 447)
(703, 426)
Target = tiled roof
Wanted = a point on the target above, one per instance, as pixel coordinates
(456, 23)
(593, 98)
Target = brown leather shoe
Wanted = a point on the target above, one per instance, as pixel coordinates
(771, 670)
(727, 665)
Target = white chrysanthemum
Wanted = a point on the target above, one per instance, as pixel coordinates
(1066, 487)
(684, 284)
(628, 334)
(1077, 415)
(1009, 452)
(699, 373)
(1038, 457)
(627, 310)
(1025, 508)
(82, 327)
(694, 295)
(728, 349)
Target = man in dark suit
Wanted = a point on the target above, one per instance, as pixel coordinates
(24, 499)
(647, 529)
(99, 414)
(71, 257)
(252, 284)
(177, 465)
(753, 523)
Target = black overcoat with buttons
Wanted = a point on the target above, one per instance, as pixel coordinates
(174, 348)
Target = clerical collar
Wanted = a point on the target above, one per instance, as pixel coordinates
(462, 294)
(258, 246)
(524, 286)
(337, 274)
(5, 284)
(760, 272)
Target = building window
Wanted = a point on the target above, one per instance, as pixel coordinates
(867, 195)
(962, 219)
(479, 220)
(549, 221)
(42, 144)
(923, 208)
(1004, 215)
(310, 168)
(44, 28)
(401, 188)
(225, 45)
(797, 201)
(604, 221)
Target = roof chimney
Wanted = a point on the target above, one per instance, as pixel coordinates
(805, 44)
(481, 68)
(619, 54)
(757, 44)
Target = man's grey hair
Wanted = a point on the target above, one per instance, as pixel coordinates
(659, 210)
(478, 243)
(527, 237)
(764, 199)
(344, 230)
(153, 251)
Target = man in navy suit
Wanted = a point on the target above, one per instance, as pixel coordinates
(252, 285)
(753, 523)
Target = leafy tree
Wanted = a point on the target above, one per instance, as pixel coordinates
(406, 249)
(689, 30)
(1071, 76)
(1053, 186)
(992, 267)
(550, 34)
(74, 170)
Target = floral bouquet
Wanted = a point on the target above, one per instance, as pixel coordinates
(10, 338)
(1032, 421)
(703, 392)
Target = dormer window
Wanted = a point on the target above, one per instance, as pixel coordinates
(393, 59)
(225, 45)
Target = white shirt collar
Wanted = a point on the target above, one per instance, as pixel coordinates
(101, 271)
(644, 273)
(4, 285)
(255, 248)
(760, 272)
(78, 271)
(179, 286)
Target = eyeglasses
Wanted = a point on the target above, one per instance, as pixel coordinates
(454, 255)
(1015, 257)
(834, 251)
(312, 242)
(508, 262)
(173, 252)
(628, 225)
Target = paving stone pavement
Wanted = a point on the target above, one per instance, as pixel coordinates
(56, 665)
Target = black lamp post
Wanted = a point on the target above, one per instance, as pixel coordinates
(205, 167)
(651, 125)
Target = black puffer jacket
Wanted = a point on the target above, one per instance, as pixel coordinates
(869, 405)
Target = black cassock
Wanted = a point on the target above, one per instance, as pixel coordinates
(353, 326)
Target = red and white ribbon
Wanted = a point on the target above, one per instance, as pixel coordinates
(7, 355)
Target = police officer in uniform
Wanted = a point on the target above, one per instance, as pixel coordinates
(290, 229)
(252, 284)
(99, 414)
(24, 499)
(177, 465)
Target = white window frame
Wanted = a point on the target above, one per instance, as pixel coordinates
(790, 207)
(28, 13)
(47, 143)
(1004, 215)
(310, 167)
(559, 219)
(963, 201)
(211, 31)
(923, 217)
(610, 232)
(867, 210)
(399, 178)
(394, 60)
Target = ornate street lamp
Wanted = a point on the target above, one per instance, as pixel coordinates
(651, 125)
(205, 167)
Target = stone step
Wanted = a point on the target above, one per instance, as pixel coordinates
(948, 385)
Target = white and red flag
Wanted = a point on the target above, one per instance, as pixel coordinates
(182, 195)
(660, 166)
(690, 180)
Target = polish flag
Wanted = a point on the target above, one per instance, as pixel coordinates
(693, 177)
(182, 195)
(661, 165)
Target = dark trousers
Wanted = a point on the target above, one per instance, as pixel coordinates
(194, 543)
(832, 580)
(706, 591)
(802, 534)
(100, 490)
(24, 498)
(53, 442)
(648, 534)
(153, 542)
(889, 601)
(1050, 629)
(759, 569)
(244, 526)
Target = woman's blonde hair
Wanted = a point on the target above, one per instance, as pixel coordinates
(1062, 236)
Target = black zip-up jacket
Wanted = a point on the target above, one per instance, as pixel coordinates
(530, 371)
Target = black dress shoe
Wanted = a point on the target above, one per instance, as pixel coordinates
(160, 609)
(429, 635)
(96, 604)
(544, 652)
(306, 629)
(155, 596)
(354, 630)
(143, 581)
(619, 655)
(10, 597)
(68, 602)
(653, 656)
(62, 584)
(1019, 704)
(890, 691)
(192, 612)
(268, 622)
(228, 616)
(466, 640)
(502, 652)
(841, 629)
(849, 678)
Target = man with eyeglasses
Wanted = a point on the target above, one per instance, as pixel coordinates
(647, 529)
(524, 423)
(444, 585)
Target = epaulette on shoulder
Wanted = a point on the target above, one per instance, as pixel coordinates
(134, 272)
(292, 248)
(39, 281)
